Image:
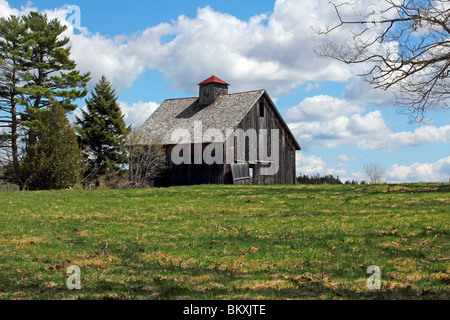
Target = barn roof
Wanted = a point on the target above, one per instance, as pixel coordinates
(225, 113)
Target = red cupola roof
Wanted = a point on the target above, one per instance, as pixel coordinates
(213, 79)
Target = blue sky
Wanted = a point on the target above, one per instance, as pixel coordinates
(154, 50)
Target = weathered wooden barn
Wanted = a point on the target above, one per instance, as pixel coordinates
(204, 128)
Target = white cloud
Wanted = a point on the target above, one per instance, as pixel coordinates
(265, 52)
(312, 165)
(6, 10)
(422, 135)
(321, 107)
(309, 165)
(134, 115)
(273, 52)
(371, 122)
(346, 158)
(357, 175)
(104, 56)
(138, 112)
(360, 92)
(331, 122)
(438, 171)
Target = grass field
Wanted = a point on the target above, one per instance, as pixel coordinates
(227, 242)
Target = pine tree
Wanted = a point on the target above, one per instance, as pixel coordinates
(13, 52)
(52, 74)
(102, 132)
(36, 68)
(53, 159)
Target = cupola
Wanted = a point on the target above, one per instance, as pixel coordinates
(211, 89)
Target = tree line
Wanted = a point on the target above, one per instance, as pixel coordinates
(39, 82)
(326, 179)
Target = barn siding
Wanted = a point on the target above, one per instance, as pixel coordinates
(270, 121)
(191, 174)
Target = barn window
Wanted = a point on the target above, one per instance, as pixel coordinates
(261, 108)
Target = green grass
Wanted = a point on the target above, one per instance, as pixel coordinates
(227, 242)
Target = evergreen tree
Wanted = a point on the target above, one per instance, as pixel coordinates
(51, 72)
(102, 132)
(53, 160)
(13, 53)
(36, 68)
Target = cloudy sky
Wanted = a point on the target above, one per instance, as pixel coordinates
(154, 50)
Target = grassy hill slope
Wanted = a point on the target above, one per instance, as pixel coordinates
(227, 242)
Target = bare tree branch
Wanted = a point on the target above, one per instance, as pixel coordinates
(147, 162)
(375, 172)
(406, 47)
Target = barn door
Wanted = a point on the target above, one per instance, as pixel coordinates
(240, 173)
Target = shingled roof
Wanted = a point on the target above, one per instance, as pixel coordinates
(226, 112)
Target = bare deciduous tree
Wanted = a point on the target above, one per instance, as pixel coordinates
(147, 161)
(374, 171)
(406, 46)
